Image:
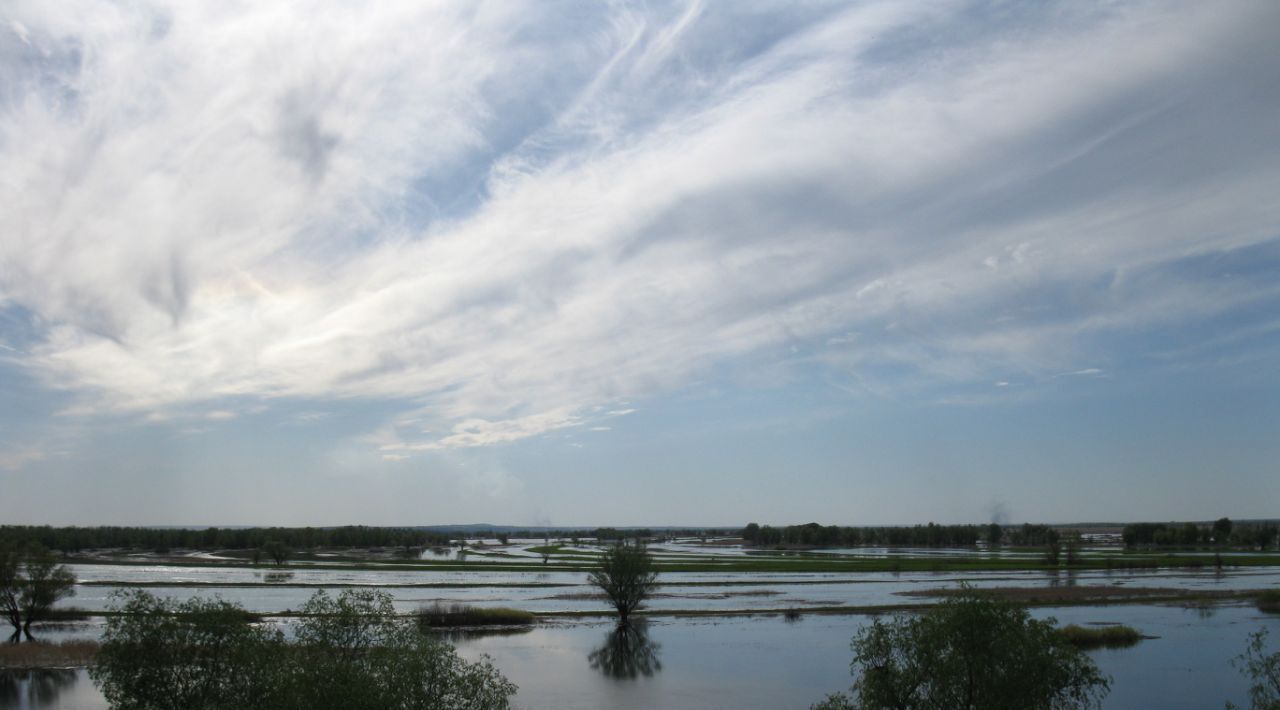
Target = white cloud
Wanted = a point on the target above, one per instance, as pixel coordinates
(16, 459)
(1086, 372)
(506, 218)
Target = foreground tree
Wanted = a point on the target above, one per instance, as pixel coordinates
(31, 582)
(969, 652)
(626, 576)
(1263, 670)
(161, 654)
(350, 652)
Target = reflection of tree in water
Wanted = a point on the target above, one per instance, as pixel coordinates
(627, 653)
(37, 688)
(1059, 579)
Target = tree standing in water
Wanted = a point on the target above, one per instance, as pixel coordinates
(626, 576)
(31, 582)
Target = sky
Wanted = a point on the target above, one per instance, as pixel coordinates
(624, 263)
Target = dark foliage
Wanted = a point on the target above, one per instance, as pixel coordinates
(626, 576)
(970, 651)
(349, 652)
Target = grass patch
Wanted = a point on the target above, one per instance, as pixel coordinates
(66, 613)
(38, 654)
(569, 560)
(1110, 636)
(439, 616)
(1269, 601)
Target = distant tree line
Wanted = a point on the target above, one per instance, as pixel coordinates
(1029, 535)
(604, 534)
(815, 535)
(74, 539)
(1222, 533)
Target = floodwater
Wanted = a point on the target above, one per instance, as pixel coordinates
(769, 662)
(560, 591)
(741, 662)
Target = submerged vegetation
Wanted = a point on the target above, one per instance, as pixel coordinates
(439, 616)
(1109, 636)
(40, 654)
(1269, 601)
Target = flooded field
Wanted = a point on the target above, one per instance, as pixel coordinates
(768, 662)
(713, 638)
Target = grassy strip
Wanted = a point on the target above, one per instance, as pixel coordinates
(331, 585)
(38, 654)
(1058, 594)
(438, 616)
(1110, 636)
(852, 610)
(1120, 562)
(1175, 597)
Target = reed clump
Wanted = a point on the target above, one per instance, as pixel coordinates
(440, 616)
(1110, 636)
(1269, 601)
(40, 654)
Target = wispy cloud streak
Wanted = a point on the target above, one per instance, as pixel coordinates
(509, 217)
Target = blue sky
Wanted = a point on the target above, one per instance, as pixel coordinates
(660, 263)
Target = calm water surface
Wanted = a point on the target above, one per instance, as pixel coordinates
(767, 662)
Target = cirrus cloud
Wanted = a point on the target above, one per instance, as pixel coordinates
(511, 217)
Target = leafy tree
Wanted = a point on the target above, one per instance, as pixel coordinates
(10, 586)
(1222, 530)
(1263, 670)
(31, 582)
(626, 576)
(970, 651)
(995, 534)
(161, 654)
(1074, 543)
(350, 652)
(354, 652)
(1053, 549)
(277, 551)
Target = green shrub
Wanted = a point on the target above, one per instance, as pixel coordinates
(970, 651)
(439, 616)
(352, 652)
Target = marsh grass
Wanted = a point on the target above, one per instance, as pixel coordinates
(1109, 636)
(39, 654)
(440, 616)
(1269, 601)
(66, 613)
